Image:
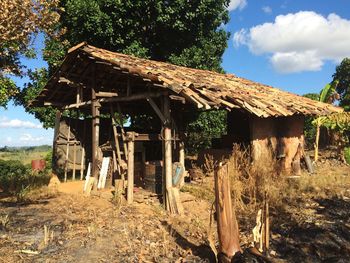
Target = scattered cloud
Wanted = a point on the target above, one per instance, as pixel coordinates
(16, 123)
(28, 138)
(267, 9)
(237, 4)
(302, 41)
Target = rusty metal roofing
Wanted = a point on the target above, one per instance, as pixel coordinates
(207, 89)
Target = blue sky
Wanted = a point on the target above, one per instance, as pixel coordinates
(293, 45)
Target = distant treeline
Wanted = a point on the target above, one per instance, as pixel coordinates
(41, 148)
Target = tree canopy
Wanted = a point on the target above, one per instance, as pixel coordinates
(20, 20)
(342, 75)
(182, 32)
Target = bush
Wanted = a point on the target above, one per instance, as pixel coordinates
(347, 154)
(16, 178)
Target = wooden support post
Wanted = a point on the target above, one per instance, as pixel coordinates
(182, 159)
(67, 153)
(74, 160)
(95, 110)
(130, 193)
(82, 163)
(227, 225)
(168, 162)
(55, 137)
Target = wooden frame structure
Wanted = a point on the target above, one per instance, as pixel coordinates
(94, 82)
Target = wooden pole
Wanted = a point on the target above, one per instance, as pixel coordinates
(67, 153)
(74, 159)
(55, 137)
(130, 193)
(168, 169)
(95, 110)
(227, 225)
(82, 163)
(182, 158)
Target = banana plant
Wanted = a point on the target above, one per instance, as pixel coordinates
(328, 95)
(339, 122)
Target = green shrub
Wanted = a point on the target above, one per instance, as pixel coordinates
(16, 177)
(347, 154)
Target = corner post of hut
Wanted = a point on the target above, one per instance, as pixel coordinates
(167, 152)
(130, 137)
(95, 112)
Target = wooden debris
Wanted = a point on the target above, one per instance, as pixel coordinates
(228, 232)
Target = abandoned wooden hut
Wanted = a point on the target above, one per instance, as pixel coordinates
(98, 86)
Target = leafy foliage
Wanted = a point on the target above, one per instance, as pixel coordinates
(20, 20)
(342, 74)
(182, 32)
(14, 177)
(336, 121)
(347, 154)
(205, 126)
(309, 128)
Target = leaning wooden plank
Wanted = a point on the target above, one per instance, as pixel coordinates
(177, 202)
(89, 186)
(88, 175)
(103, 173)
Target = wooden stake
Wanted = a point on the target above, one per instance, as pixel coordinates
(130, 194)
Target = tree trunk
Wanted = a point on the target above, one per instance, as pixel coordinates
(228, 232)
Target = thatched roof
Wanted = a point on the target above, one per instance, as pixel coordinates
(205, 89)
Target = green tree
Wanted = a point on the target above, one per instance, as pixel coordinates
(342, 75)
(309, 128)
(20, 21)
(327, 95)
(182, 32)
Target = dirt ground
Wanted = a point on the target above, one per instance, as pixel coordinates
(93, 229)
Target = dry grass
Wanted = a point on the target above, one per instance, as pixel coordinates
(251, 182)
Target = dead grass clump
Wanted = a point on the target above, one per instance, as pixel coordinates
(251, 181)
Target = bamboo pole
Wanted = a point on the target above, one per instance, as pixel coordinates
(130, 190)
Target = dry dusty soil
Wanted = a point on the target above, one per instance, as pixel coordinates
(93, 229)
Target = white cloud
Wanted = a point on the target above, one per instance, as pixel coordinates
(267, 9)
(28, 138)
(237, 4)
(16, 123)
(299, 42)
